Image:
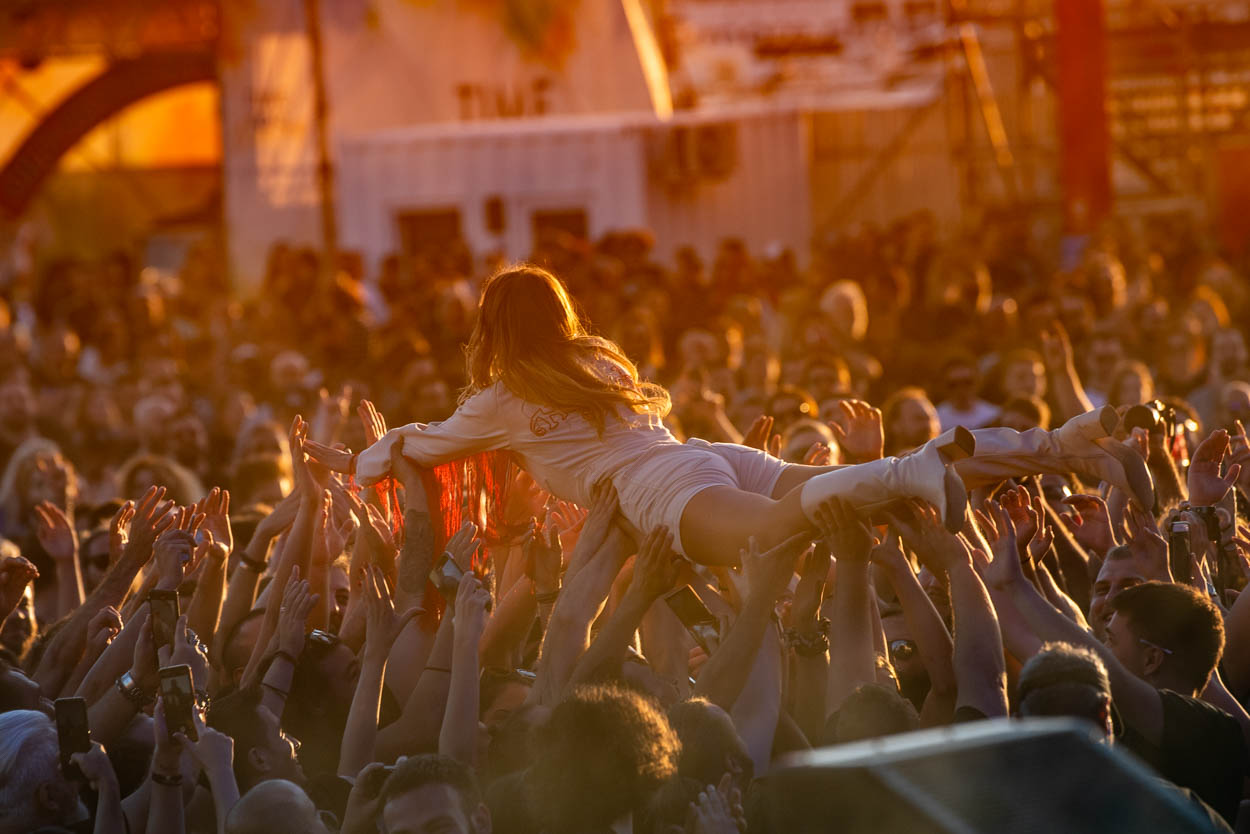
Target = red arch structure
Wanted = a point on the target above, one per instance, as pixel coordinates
(123, 83)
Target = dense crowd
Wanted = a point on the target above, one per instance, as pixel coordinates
(326, 667)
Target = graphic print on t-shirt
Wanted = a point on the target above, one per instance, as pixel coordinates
(547, 420)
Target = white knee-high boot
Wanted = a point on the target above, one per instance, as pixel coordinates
(1083, 445)
(925, 473)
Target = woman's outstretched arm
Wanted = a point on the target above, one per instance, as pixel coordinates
(476, 426)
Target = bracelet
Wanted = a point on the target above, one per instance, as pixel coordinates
(284, 693)
(547, 598)
(812, 643)
(130, 690)
(167, 781)
(351, 464)
(290, 658)
(437, 669)
(255, 566)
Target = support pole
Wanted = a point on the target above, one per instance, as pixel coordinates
(1085, 142)
(325, 168)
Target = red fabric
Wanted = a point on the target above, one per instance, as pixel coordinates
(470, 489)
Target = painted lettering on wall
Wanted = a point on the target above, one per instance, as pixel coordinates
(509, 100)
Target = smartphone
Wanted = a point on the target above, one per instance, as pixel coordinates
(446, 576)
(685, 603)
(72, 733)
(165, 612)
(178, 695)
(1178, 551)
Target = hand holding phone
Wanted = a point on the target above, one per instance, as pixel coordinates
(695, 616)
(178, 696)
(446, 576)
(72, 733)
(165, 611)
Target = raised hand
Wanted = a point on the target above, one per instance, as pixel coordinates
(311, 475)
(173, 551)
(1004, 568)
(472, 603)
(56, 532)
(810, 592)
(858, 429)
(818, 454)
(548, 555)
(925, 533)
(656, 566)
(119, 530)
(463, 546)
(383, 623)
(567, 519)
(1090, 523)
(1024, 512)
(187, 649)
(604, 506)
(1206, 487)
(1146, 544)
(149, 519)
(331, 413)
(758, 435)
(773, 568)
(843, 532)
(16, 572)
(297, 602)
(711, 813)
(216, 510)
(372, 421)
(102, 628)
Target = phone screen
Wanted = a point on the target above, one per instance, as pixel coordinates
(446, 576)
(72, 733)
(685, 603)
(178, 694)
(1178, 551)
(165, 613)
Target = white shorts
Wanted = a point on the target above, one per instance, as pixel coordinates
(656, 488)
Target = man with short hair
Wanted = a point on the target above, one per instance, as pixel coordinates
(275, 806)
(1122, 568)
(1065, 680)
(261, 750)
(1162, 643)
(433, 795)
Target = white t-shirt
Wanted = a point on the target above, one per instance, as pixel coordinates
(562, 451)
(978, 417)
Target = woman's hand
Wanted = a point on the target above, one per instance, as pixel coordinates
(148, 520)
(216, 510)
(336, 460)
(383, 624)
(56, 533)
(858, 429)
(297, 602)
(16, 572)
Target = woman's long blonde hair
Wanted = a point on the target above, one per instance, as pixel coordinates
(529, 337)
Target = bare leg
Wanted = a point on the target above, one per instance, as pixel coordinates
(718, 521)
(795, 474)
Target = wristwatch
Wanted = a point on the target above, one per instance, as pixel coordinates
(129, 688)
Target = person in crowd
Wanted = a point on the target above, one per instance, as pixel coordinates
(481, 620)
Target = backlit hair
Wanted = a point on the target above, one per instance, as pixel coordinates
(529, 337)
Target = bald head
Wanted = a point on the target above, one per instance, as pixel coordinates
(274, 806)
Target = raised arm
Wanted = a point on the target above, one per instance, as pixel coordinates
(458, 735)
(476, 426)
(852, 654)
(383, 625)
